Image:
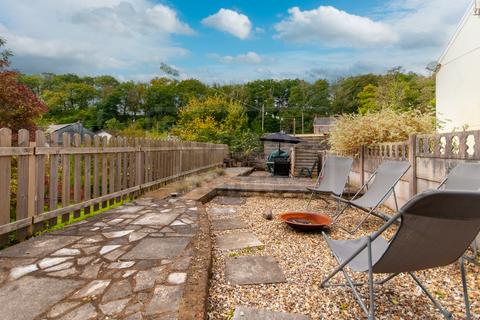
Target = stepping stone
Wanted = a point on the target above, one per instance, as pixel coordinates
(38, 247)
(230, 201)
(253, 270)
(157, 248)
(237, 240)
(245, 313)
(228, 224)
(219, 212)
(156, 219)
(20, 300)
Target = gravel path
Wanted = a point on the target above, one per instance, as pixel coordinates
(306, 260)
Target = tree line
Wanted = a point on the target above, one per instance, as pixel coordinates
(103, 102)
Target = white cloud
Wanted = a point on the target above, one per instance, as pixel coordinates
(90, 36)
(333, 27)
(230, 21)
(405, 24)
(247, 58)
(124, 18)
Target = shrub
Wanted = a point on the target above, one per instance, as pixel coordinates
(350, 132)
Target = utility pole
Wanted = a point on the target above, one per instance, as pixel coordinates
(303, 131)
(294, 128)
(263, 116)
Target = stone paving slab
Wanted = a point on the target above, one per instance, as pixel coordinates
(237, 240)
(228, 224)
(38, 246)
(253, 270)
(29, 296)
(151, 248)
(247, 313)
(221, 212)
(107, 266)
(229, 201)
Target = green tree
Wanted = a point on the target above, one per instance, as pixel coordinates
(345, 92)
(212, 119)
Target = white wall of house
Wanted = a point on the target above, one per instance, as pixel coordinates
(458, 79)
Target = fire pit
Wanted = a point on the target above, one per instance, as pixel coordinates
(306, 221)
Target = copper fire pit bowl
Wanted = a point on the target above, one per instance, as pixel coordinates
(306, 221)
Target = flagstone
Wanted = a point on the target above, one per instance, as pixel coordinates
(16, 296)
(95, 287)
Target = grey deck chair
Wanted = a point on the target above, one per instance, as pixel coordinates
(464, 176)
(333, 177)
(435, 230)
(377, 190)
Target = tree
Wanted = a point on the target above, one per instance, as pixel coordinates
(345, 92)
(19, 107)
(212, 119)
(367, 99)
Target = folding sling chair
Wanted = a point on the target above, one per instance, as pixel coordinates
(435, 230)
(378, 188)
(333, 177)
(464, 176)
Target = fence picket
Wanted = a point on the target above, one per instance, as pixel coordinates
(87, 159)
(5, 177)
(66, 176)
(77, 174)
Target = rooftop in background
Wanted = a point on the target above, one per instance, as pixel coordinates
(323, 125)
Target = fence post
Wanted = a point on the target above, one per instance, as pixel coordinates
(23, 183)
(412, 158)
(5, 181)
(292, 163)
(362, 165)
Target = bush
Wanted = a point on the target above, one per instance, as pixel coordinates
(350, 132)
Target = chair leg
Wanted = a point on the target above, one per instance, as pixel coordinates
(465, 289)
(357, 226)
(371, 291)
(446, 314)
(472, 259)
(309, 201)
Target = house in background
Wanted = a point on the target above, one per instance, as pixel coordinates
(458, 75)
(106, 134)
(70, 128)
(322, 125)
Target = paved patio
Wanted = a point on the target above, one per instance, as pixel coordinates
(129, 263)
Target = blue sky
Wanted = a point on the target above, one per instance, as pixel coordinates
(227, 41)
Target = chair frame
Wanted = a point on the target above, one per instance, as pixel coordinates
(471, 259)
(320, 175)
(371, 211)
(370, 311)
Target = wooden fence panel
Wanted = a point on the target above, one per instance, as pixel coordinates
(85, 173)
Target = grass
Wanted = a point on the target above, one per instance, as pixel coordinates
(245, 251)
(197, 181)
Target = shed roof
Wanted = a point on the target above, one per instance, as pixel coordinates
(323, 121)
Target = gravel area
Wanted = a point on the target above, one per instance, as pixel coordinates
(306, 261)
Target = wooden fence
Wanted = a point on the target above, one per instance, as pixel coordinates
(44, 179)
